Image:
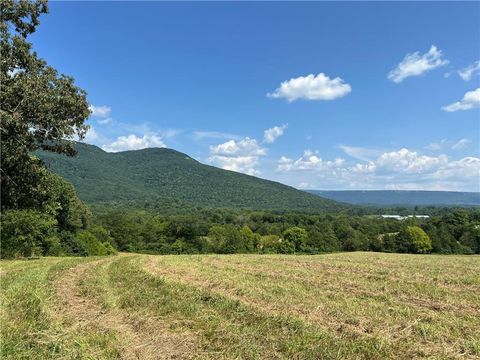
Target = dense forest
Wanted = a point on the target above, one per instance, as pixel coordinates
(27, 233)
(266, 232)
(165, 179)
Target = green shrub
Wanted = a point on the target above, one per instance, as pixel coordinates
(181, 246)
(413, 239)
(285, 247)
(72, 246)
(269, 244)
(102, 234)
(28, 233)
(90, 243)
(296, 236)
(110, 249)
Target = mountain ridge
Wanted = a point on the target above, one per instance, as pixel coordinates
(164, 177)
(401, 197)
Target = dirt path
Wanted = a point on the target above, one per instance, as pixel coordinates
(140, 338)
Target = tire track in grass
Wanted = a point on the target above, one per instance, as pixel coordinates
(138, 338)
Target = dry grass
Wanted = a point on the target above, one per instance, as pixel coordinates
(349, 305)
(416, 305)
(90, 299)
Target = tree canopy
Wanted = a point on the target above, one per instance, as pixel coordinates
(39, 108)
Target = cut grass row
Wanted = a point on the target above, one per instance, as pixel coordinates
(352, 305)
(31, 327)
(416, 306)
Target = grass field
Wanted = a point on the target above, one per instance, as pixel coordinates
(336, 306)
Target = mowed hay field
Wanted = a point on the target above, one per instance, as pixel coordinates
(334, 306)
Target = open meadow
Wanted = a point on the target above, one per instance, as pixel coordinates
(334, 306)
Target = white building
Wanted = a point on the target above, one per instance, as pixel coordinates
(400, 217)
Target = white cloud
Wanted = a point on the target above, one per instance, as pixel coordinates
(272, 134)
(199, 135)
(245, 146)
(311, 87)
(449, 144)
(105, 121)
(437, 145)
(368, 168)
(169, 133)
(461, 144)
(467, 167)
(401, 169)
(406, 161)
(360, 153)
(91, 135)
(416, 64)
(471, 100)
(471, 70)
(309, 161)
(241, 156)
(100, 111)
(243, 164)
(134, 142)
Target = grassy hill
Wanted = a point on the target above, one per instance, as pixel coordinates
(403, 198)
(166, 178)
(335, 306)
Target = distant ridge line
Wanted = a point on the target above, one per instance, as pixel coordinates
(401, 197)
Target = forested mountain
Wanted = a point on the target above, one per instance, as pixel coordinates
(165, 178)
(405, 198)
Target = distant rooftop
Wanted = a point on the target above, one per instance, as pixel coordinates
(400, 217)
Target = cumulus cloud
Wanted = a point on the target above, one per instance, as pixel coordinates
(367, 168)
(416, 64)
(133, 142)
(471, 70)
(100, 111)
(312, 87)
(406, 161)
(471, 100)
(244, 146)
(309, 161)
(243, 164)
(467, 167)
(400, 169)
(238, 155)
(272, 134)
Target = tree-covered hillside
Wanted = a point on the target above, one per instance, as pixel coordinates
(165, 179)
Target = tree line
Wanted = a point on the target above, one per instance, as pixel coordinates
(230, 231)
(75, 231)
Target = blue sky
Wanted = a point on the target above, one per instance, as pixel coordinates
(314, 95)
